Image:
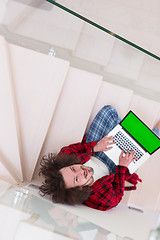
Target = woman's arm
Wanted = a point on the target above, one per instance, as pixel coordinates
(107, 191)
(85, 150)
(82, 150)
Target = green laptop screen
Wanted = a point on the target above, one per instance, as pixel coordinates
(140, 132)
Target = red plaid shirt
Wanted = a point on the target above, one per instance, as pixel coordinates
(107, 191)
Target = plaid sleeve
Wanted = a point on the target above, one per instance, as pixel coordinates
(82, 150)
(107, 191)
(132, 178)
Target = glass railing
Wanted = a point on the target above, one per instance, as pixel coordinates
(24, 215)
(101, 9)
(78, 32)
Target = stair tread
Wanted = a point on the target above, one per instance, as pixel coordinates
(38, 80)
(9, 147)
(111, 94)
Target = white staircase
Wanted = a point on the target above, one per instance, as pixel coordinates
(46, 104)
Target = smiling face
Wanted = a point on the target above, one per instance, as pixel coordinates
(77, 175)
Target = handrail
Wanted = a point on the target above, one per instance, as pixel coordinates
(103, 29)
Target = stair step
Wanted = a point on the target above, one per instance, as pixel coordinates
(9, 148)
(110, 94)
(38, 80)
(6, 173)
(146, 109)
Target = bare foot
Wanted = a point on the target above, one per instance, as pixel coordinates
(158, 125)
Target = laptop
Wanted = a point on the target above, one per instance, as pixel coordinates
(132, 134)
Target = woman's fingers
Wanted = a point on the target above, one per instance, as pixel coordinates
(131, 157)
(108, 148)
(110, 143)
(108, 138)
(127, 158)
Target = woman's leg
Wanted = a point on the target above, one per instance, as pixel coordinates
(156, 130)
(105, 120)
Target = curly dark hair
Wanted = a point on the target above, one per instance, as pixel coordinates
(54, 184)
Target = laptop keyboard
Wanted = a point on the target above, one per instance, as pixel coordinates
(125, 144)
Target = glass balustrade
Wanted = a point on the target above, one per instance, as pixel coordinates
(110, 39)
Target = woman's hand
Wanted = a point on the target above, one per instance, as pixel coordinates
(127, 159)
(104, 144)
